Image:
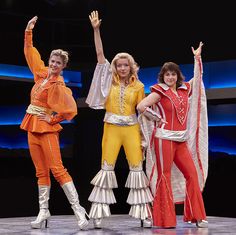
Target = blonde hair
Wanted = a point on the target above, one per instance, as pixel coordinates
(63, 54)
(134, 68)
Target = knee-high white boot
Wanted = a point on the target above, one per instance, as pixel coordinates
(73, 198)
(44, 214)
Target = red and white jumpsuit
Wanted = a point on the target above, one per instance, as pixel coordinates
(174, 109)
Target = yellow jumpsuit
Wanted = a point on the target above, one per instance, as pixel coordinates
(114, 136)
(121, 128)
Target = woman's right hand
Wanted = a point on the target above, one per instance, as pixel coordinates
(94, 19)
(31, 23)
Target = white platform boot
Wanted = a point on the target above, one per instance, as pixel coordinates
(73, 198)
(44, 214)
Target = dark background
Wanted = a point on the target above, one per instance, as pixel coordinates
(153, 32)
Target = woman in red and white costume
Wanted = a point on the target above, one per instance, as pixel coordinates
(178, 142)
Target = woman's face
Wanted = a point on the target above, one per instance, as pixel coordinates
(123, 68)
(170, 78)
(55, 65)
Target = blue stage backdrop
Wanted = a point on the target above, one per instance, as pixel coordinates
(16, 82)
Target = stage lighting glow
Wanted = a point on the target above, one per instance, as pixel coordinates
(219, 74)
(8, 115)
(222, 149)
(73, 78)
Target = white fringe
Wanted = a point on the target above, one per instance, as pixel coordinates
(137, 180)
(141, 211)
(101, 195)
(139, 196)
(99, 210)
(105, 179)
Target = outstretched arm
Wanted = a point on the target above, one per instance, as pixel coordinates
(96, 22)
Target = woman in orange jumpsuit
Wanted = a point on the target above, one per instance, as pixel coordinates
(51, 102)
(178, 170)
(116, 88)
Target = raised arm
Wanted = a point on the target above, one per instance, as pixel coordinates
(32, 55)
(197, 63)
(31, 23)
(96, 22)
(198, 51)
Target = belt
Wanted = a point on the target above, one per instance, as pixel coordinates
(36, 110)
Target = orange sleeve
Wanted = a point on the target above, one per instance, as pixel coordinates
(61, 101)
(32, 56)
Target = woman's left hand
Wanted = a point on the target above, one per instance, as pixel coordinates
(198, 51)
(44, 117)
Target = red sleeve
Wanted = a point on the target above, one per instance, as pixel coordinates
(156, 88)
(188, 85)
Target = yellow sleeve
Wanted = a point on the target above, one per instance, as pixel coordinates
(141, 93)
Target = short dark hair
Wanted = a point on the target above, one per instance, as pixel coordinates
(171, 66)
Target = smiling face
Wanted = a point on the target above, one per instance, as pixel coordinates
(55, 65)
(123, 68)
(170, 78)
(171, 75)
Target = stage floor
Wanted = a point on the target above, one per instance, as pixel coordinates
(116, 224)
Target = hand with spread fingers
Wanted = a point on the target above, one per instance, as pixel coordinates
(94, 19)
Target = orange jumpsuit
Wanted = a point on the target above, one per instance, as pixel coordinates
(53, 97)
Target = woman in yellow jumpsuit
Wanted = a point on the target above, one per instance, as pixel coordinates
(116, 88)
(51, 102)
